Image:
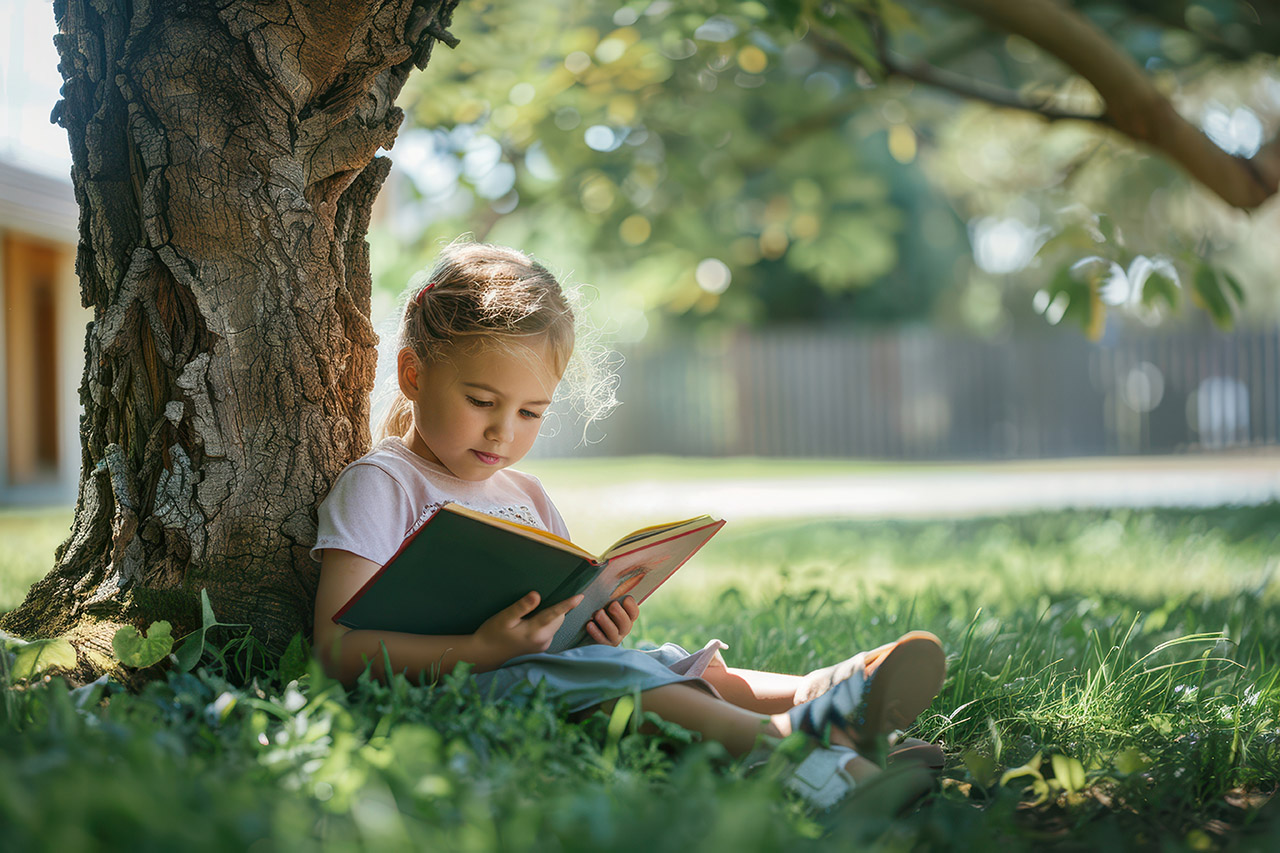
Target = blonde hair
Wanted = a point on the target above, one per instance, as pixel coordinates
(478, 293)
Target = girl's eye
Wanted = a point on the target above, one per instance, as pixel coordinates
(528, 414)
(482, 404)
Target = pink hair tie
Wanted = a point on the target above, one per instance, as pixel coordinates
(423, 292)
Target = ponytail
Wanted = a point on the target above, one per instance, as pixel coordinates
(398, 417)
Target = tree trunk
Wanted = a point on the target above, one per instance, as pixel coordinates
(223, 161)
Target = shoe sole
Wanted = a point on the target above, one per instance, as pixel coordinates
(904, 681)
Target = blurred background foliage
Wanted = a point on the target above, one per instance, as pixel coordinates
(716, 163)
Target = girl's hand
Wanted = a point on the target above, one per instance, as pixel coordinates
(610, 624)
(507, 634)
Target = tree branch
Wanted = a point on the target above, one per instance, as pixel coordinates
(1133, 105)
(977, 90)
(939, 78)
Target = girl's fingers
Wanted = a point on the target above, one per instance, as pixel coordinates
(604, 625)
(556, 612)
(521, 608)
(630, 606)
(624, 616)
(620, 616)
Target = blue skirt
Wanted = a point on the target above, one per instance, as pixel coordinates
(584, 677)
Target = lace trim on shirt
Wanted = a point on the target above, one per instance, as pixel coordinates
(521, 513)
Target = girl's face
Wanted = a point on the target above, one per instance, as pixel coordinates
(479, 409)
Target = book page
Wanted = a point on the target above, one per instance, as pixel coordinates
(646, 535)
(636, 572)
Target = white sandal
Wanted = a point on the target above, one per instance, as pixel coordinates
(819, 778)
(822, 782)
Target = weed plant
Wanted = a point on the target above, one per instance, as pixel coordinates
(1112, 684)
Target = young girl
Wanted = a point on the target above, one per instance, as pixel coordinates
(483, 344)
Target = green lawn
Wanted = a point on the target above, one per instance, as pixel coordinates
(1140, 644)
(29, 538)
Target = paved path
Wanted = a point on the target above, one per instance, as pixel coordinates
(945, 491)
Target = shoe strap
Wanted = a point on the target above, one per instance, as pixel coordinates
(840, 705)
(820, 779)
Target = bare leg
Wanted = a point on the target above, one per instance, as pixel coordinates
(775, 693)
(818, 681)
(737, 729)
(771, 692)
(755, 690)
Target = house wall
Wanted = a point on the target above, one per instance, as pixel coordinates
(41, 345)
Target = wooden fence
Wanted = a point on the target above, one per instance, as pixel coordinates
(917, 394)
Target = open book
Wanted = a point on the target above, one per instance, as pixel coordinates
(463, 566)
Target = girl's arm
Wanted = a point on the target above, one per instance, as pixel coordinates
(345, 652)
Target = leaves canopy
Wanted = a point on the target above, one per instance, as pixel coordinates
(722, 162)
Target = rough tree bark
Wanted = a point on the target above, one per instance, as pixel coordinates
(223, 160)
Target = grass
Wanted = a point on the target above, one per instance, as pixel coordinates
(1140, 644)
(606, 471)
(30, 537)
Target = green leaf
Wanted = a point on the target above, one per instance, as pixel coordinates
(855, 36)
(1233, 284)
(1031, 768)
(35, 656)
(788, 12)
(1108, 229)
(133, 649)
(997, 742)
(618, 720)
(193, 647)
(1208, 295)
(680, 734)
(1130, 760)
(1069, 771)
(293, 663)
(1082, 284)
(981, 767)
(1160, 288)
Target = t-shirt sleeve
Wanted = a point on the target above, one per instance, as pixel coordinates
(554, 522)
(543, 505)
(366, 512)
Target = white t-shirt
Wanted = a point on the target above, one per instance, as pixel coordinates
(390, 492)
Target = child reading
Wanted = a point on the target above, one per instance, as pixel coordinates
(483, 343)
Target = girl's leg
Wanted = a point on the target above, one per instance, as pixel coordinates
(776, 693)
(736, 729)
(755, 690)
(772, 692)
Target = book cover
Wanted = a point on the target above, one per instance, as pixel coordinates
(461, 567)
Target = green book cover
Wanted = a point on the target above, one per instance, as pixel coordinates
(461, 567)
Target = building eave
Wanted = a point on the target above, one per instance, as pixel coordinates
(38, 204)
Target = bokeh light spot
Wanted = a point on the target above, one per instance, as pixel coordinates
(752, 59)
(600, 137)
(902, 143)
(634, 230)
(521, 94)
(610, 50)
(713, 275)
